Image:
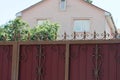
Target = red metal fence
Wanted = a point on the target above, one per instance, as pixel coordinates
(42, 62)
(5, 62)
(95, 62)
(60, 60)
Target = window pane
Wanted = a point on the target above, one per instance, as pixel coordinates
(63, 5)
(40, 22)
(81, 25)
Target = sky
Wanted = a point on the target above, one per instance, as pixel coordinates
(8, 8)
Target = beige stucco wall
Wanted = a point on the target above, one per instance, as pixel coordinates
(76, 9)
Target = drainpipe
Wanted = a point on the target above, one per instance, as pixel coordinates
(109, 19)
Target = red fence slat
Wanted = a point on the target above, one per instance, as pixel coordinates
(81, 65)
(28, 63)
(5, 62)
(54, 62)
(118, 62)
(112, 61)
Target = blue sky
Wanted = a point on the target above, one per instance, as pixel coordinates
(8, 8)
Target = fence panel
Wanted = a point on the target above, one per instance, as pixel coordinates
(42, 62)
(110, 66)
(81, 63)
(28, 62)
(95, 62)
(54, 62)
(5, 62)
(112, 61)
(105, 61)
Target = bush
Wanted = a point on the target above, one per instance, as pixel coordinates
(17, 29)
(46, 31)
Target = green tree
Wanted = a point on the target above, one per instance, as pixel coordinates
(16, 29)
(89, 1)
(2, 33)
(46, 31)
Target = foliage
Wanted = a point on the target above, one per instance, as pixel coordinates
(17, 29)
(14, 28)
(2, 33)
(89, 1)
(46, 31)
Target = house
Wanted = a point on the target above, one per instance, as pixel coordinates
(73, 16)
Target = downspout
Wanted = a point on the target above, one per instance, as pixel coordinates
(108, 14)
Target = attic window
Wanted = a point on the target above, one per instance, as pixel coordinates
(63, 4)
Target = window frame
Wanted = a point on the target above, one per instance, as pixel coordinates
(81, 30)
(64, 2)
(41, 20)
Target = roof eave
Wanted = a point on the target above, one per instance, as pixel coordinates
(94, 6)
(29, 7)
(110, 21)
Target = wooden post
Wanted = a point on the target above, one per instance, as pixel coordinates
(15, 62)
(67, 62)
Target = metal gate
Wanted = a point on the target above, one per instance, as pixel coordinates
(5, 62)
(95, 62)
(42, 62)
(60, 60)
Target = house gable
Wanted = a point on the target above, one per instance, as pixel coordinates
(39, 3)
(75, 10)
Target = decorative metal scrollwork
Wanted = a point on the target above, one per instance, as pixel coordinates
(40, 70)
(97, 63)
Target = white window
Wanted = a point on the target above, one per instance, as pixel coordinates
(81, 25)
(40, 22)
(63, 4)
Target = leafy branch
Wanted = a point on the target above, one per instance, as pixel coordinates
(17, 29)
